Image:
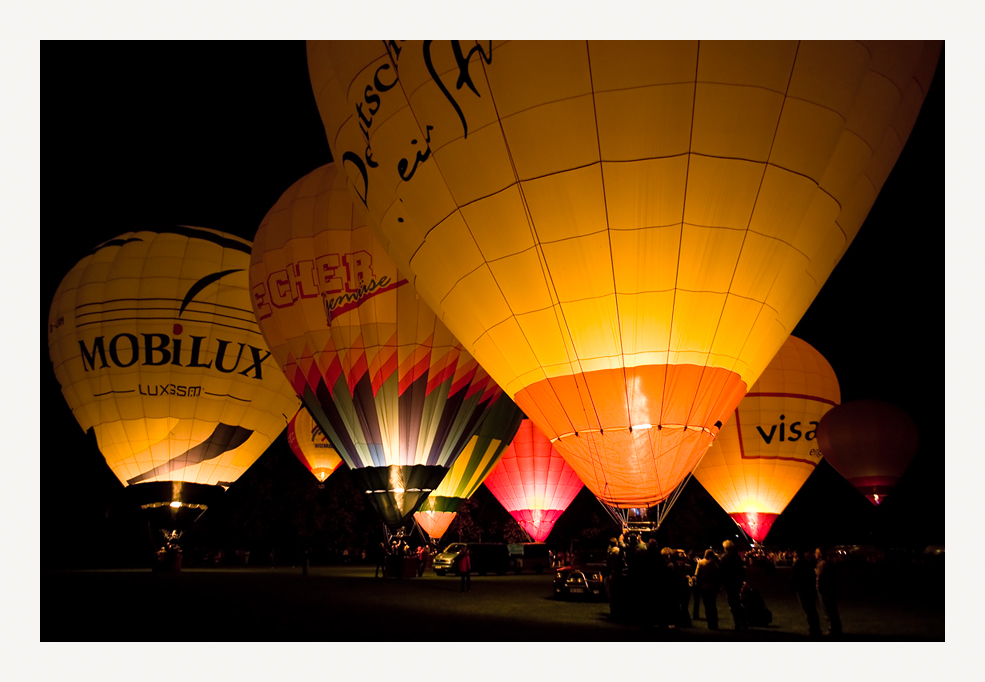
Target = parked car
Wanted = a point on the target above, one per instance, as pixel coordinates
(584, 581)
(529, 556)
(487, 557)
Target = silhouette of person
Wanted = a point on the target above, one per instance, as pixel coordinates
(465, 570)
(805, 585)
(827, 590)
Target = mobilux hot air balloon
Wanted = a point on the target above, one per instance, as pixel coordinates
(311, 447)
(870, 443)
(533, 482)
(156, 347)
(622, 233)
(388, 383)
(769, 447)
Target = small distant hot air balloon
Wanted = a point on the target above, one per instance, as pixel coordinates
(768, 448)
(870, 443)
(622, 233)
(533, 482)
(156, 347)
(479, 457)
(390, 386)
(311, 447)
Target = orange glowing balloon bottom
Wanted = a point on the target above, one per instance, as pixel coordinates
(633, 434)
(756, 524)
(435, 523)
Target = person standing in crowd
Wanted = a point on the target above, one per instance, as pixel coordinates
(706, 576)
(465, 569)
(804, 584)
(733, 575)
(692, 565)
(379, 554)
(827, 590)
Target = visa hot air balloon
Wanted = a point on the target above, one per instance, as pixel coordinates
(471, 467)
(769, 447)
(533, 482)
(869, 442)
(311, 447)
(390, 386)
(622, 233)
(154, 342)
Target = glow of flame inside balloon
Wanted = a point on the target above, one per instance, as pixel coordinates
(311, 447)
(156, 347)
(870, 443)
(766, 451)
(388, 383)
(622, 233)
(479, 457)
(533, 481)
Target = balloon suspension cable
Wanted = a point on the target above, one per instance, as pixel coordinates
(424, 536)
(663, 508)
(641, 519)
(746, 535)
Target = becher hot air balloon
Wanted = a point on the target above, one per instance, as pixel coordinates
(311, 447)
(622, 233)
(870, 443)
(388, 383)
(480, 456)
(154, 342)
(533, 482)
(768, 448)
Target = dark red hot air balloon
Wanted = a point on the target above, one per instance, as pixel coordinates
(870, 443)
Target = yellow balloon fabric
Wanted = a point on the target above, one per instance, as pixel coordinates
(311, 447)
(156, 347)
(622, 233)
(769, 447)
(392, 388)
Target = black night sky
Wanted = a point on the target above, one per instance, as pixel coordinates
(211, 134)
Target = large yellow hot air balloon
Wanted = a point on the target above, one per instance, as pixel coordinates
(471, 468)
(388, 383)
(156, 347)
(311, 447)
(622, 233)
(769, 447)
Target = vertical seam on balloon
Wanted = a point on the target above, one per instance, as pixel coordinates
(615, 293)
(542, 259)
(680, 241)
(745, 235)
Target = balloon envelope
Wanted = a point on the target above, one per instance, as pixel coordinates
(387, 382)
(768, 448)
(480, 456)
(622, 233)
(156, 347)
(533, 482)
(870, 443)
(311, 447)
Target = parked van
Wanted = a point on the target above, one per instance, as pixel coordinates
(529, 556)
(487, 557)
